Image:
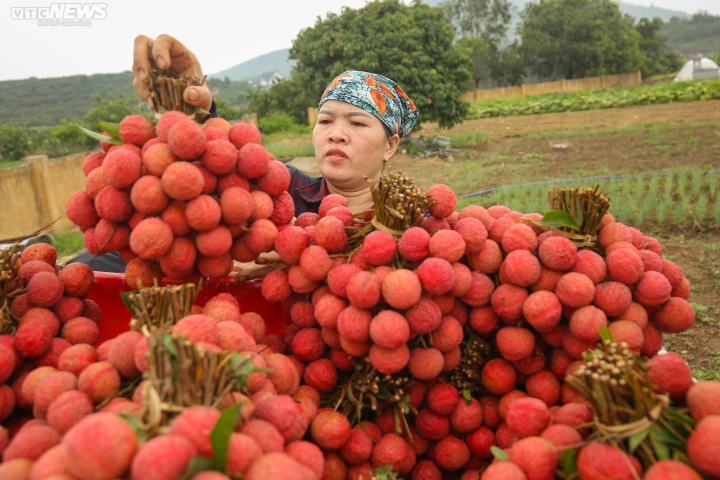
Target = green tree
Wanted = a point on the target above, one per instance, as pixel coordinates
(114, 108)
(578, 38)
(226, 111)
(15, 141)
(412, 44)
(482, 27)
(657, 57)
(287, 96)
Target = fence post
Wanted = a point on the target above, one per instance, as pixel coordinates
(638, 77)
(312, 114)
(523, 90)
(48, 209)
(564, 84)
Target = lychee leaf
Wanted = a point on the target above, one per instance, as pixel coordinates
(126, 300)
(668, 438)
(100, 137)
(499, 453)
(201, 110)
(606, 335)
(467, 396)
(242, 366)
(135, 424)
(169, 345)
(557, 219)
(220, 435)
(662, 451)
(636, 440)
(198, 464)
(689, 421)
(568, 461)
(111, 128)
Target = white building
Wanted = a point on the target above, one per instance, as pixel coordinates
(697, 68)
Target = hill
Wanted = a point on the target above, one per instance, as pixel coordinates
(45, 101)
(700, 32)
(276, 61)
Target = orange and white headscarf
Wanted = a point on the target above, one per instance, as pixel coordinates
(377, 95)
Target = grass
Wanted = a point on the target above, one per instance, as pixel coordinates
(68, 243)
(9, 163)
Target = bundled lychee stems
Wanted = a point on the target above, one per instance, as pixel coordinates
(369, 389)
(475, 354)
(627, 410)
(9, 266)
(159, 308)
(586, 206)
(181, 374)
(398, 203)
(167, 90)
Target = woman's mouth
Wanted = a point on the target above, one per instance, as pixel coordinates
(336, 155)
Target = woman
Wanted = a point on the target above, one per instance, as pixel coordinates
(360, 121)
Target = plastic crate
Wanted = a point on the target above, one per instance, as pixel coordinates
(115, 317)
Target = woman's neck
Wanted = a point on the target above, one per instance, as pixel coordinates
(358, 200)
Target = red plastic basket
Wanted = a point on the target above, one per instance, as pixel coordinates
(115, 317)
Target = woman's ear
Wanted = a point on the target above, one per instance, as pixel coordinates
(393, 144)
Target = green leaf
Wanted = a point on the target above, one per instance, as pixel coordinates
(201, 110)
(606, 335)
(111, 128)
(668, 438)
(568, 461)
(637, 439)
(220, 435)
(126, 300)
(467, 396)
(558, 218)
(681, 417)
(135, 424)
(100, 137)
(198, 464)
(662, 451)
(499, 453)
(169, 345)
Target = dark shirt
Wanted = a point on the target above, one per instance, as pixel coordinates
(307, 192)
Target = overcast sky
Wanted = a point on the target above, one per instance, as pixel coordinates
(222, 33)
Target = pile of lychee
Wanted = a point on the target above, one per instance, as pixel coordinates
(59, 404)
(410, 304)
(179, 198)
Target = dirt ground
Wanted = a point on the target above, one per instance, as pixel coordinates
(590, 119)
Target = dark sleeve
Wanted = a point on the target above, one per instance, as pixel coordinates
(109, 262)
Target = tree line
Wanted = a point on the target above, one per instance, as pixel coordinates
(437, 52)
(434, 53)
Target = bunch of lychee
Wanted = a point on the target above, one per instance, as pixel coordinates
(179, 198)
(411, 303)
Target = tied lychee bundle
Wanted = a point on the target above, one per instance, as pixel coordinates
(9, 286)
(179, 199)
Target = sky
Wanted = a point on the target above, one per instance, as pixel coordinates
(38, 38)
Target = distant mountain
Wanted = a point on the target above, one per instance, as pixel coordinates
(253, 69)
(636, 11)
(278, 61)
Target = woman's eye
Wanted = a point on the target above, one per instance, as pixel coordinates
(323, 122)
(358, 124)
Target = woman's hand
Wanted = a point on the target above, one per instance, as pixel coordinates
(169, 54)
(266, 263)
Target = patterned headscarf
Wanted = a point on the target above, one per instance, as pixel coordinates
(377, 95)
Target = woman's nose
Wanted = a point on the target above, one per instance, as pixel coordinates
(337, 133)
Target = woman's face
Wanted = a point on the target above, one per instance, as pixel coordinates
(350, 143)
